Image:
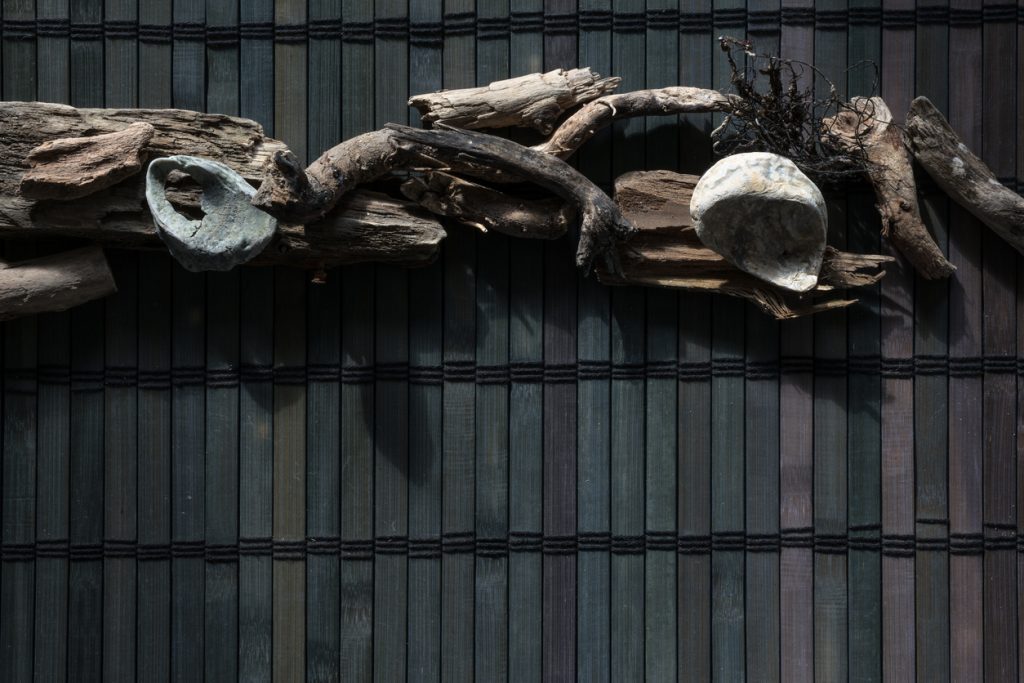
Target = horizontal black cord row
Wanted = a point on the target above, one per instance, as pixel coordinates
(431, 33)
(866, 539)
(524, 372)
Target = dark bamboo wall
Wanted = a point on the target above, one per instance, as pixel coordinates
(491, 467)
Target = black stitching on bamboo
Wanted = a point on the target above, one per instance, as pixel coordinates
(431, 34)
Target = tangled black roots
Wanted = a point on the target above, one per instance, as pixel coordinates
(791, 116)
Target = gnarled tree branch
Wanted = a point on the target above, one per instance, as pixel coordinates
(873, 134)
(962, 175)
(534, 101)
(298, 197)
(593, 116)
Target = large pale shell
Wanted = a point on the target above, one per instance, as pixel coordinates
(763, 215)
(232, 230)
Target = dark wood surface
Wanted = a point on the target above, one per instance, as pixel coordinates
(491, 467)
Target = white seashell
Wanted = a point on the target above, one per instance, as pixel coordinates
(232, 230)
(763, 215)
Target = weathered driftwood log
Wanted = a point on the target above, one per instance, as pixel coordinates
(54, 283)
(874, 134)
(962, 175)
(70, 168)
(666, 252)
(487, 208)
(298, 196)
(369, 227)
(593, 116)
(533, 101)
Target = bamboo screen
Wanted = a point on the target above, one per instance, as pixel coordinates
(491, 467)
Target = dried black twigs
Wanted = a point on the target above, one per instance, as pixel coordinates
(786, 115)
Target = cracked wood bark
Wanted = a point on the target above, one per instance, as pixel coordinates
(296, 195)
(54, 283)
(962, 175)
(576, 130)
(532, 101)
(70, 168)
(366, 227)
(666, 252)
(486, 208)
(892, 177)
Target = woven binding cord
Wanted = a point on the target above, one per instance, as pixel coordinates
(27, 380)
(432, 34)
(862, 538)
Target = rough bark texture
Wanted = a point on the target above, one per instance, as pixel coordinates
(365, 226)
(296, 196)
(54, 283)
(592, 117)
(962, 175)
(533, 101)
(488, 209)
(373, 227)
(666, 252)
(892, 177)
(70, 168)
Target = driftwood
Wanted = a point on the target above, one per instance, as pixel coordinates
(296, 195)
(533, 101)
(368, 226)
(666, 252)
(54, 283)
(889, 170)
(962, 175)
(70, 168)
(489, 209)
(592, 117)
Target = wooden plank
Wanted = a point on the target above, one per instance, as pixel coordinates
(359, 94)
(425, 405)
(18, 489)
(289, 635)
(392, 395)
(830, 415)
(153, 620)
(357, 447)
(526, 352)
(931, 308)
(559, 571)
(256, 325)
(593, 494)
(256, 472)
(188, 530)
(897, 409)
(863, 409)
(492, 423)
(53, 427)
(222, 398)
(999, 121)
(323, 393)
(694, 448)
(762, 443)
(120, 495)
(627, 483)
(289, 497)
(222, 458)
(796, 414)
(457, 581)
(85, 581)
(660, 514)
(626, 420)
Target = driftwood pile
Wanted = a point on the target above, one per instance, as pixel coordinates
(377, 197)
